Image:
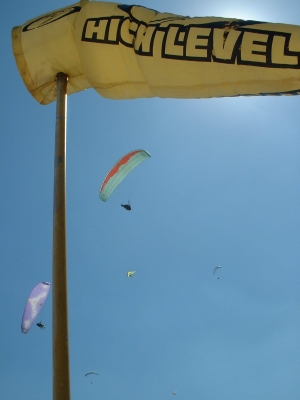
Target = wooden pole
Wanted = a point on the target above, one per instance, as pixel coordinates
(60, 338)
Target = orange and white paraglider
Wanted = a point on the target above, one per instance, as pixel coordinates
(119, 172)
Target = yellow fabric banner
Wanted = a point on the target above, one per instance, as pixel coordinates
(127, 52)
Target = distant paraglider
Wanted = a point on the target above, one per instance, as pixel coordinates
(120, 170)
(91, 373)
(34, 305)
(130, 273)
(216, 269)
(174, 392)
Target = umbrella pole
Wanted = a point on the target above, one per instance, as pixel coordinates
(60, 337)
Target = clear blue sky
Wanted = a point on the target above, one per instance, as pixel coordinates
(221, 188)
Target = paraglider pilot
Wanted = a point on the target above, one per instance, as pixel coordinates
(126, 206)
(40, 325)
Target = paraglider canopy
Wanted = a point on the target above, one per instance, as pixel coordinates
(216, 269)
(120, 170)
(91, 372)
(34, 305)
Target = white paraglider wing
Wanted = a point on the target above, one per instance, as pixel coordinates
(34, 305)
(91, 373)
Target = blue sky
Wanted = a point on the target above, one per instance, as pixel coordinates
(221, 188)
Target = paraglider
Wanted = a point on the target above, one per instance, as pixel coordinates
(174, 392)
(91, 373)
(126, 206)
(34, 305)
(216, 269)
(130, 273)
(119, 172)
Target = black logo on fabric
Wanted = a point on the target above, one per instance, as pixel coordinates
(225, 41)
(49, 18)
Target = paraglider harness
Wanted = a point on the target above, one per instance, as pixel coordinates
(126, 206)
(40, 325)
